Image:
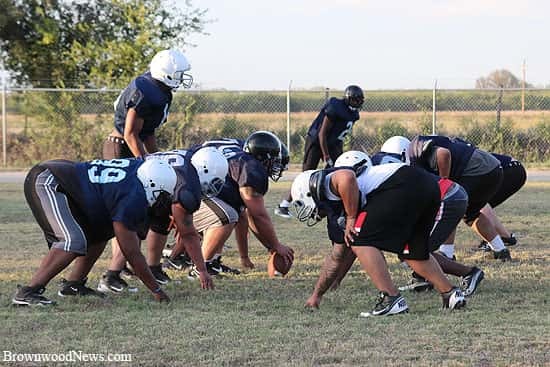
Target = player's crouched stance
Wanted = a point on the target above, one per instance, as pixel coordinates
(81, 206)
(387, 208)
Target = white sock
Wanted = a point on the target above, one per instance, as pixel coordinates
(448, 249)
(496, 244)
(284, 204)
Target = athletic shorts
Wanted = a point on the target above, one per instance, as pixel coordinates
(313, 153)
(513, 179)
(480, 190)
(214, 212)
(451, 211)
(115, 147)
(52, 210)
(399, 215)
(159, 224)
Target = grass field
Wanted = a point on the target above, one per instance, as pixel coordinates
(251, 320)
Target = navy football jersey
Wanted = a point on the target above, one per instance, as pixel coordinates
(149, 98)
(422, 152)
(188, 189)
(244, 170)
(341, 116)
(383, 158)
(104, 191)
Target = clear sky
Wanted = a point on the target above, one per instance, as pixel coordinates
(257, 44)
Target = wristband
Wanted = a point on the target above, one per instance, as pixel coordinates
(157, 290)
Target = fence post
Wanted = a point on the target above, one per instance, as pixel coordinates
(4, 124)
(288, 117)
(327, 93)
(434, 108)
(499, 105)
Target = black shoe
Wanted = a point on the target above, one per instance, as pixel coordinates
(160, 276)
(181, 262)
(510, 241)
(217, 266)
(471, 281)
(484, 246)
(502, 255)
(77, 288)
(417, 284)
(194, 273)
(388, 305)
(283, 212)
(31, 296)
(126, 272)
(112, 282)
(453, 299)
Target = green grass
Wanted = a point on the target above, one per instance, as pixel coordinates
(251, 320)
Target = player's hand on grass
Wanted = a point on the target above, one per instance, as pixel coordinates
(246, 263)
(313, 302)
(206, 280)
(161, 297)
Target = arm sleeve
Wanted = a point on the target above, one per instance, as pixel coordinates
(253, 175)
(138, 102)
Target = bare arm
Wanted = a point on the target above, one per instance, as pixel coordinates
(129, 245)
(345, 184)
(260, 222)
(190, 239)
(335, 267)
(150, 143)
(326, 126)
(132, 128)
(443, 157)
(241, 235)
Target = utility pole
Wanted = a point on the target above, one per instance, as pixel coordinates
(523, 87)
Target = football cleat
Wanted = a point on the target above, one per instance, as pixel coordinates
(127, 273)
(283, 212)
(388, 305)
(471, 280)
(417, 284)
(160, 276)
(77, 288)
(31, 296)
(502, 255)
(453, 299)
(180, 262)
(112, 282)
(217, 265)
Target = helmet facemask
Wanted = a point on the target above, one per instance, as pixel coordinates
(212, 188)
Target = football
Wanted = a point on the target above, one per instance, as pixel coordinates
(277, 266)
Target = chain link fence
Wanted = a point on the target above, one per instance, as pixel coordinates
(40, 124)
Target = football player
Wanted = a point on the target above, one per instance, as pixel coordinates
(143, 106)
(479, 172)
(80, 206)
(389, 207)
(200, 173)
(454, 201)
(325, 137)
(251, 164)
(513, 179)
(394, 150)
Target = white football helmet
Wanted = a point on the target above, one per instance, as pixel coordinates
(397, 145)
(355, 159)
(169, 67)
(302, 199)
(212, 167)
(157, 177)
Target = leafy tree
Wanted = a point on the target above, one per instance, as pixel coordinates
(60, 43)
(500, 79)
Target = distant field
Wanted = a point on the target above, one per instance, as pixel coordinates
(251, 320)
(451, 122)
